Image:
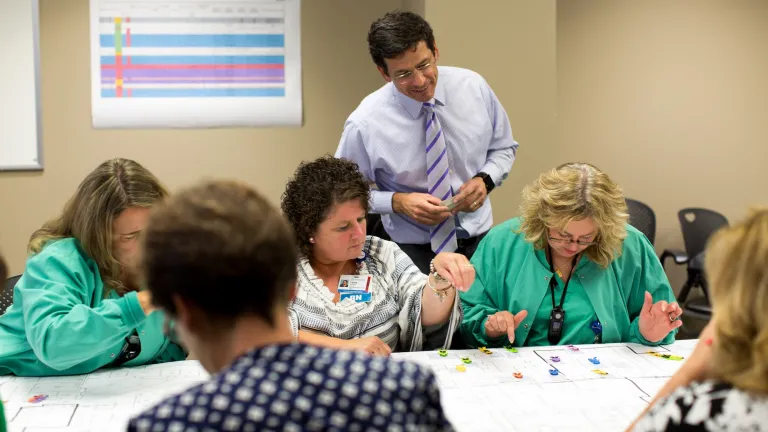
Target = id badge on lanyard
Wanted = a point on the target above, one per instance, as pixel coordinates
(355, 287)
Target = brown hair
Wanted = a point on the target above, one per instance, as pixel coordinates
(114, 186)
(315, 188)
(221, 246)
(3, 270)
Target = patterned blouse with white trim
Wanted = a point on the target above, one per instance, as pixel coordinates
(393, 314)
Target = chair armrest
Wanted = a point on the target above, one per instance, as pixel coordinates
(679, 256)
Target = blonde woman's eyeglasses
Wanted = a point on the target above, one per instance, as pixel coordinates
(569, 241)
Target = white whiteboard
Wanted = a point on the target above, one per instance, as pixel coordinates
(20, 118)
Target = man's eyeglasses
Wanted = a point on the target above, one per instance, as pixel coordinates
(569, 241)
(407, 75)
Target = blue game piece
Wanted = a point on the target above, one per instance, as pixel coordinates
(594, 360)
(596, 327)
(553, 372)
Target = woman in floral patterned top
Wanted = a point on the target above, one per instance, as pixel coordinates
(723, 385)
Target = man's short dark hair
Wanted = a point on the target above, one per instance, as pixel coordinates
(397, 32)
(222, 247)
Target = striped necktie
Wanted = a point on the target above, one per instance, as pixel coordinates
(442, 237)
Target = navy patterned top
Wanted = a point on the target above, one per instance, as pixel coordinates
(298, 387)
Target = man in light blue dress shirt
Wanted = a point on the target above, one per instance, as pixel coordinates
(387, 137)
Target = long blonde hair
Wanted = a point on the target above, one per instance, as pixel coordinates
(736, 264)
(576, 191)
(114, 186)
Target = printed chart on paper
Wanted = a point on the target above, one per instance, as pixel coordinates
(195, 63)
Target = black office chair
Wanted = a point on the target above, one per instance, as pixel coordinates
(642, 217)
(697, 225)
(376, 227)
(6, 295)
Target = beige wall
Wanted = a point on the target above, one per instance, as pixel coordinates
(670, 98)
(337, 74)
(511, 43)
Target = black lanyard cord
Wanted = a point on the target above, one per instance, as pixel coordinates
(553, 281)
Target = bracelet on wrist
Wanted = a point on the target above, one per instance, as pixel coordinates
(439, 293)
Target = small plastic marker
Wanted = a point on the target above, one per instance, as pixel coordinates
(594, 360)
(555, 359)
(485, 350)
(517, 375)
(666, 356)
(461, 368)
(38, 398)
(466, 360)
(442, 353)
(573, 348)
(510, 348)
(600, 372)
(553, 372)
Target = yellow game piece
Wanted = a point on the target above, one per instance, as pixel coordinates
(665, 356)
(600, 372)
(461, 368)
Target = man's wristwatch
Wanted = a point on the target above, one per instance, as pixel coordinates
(489, 184)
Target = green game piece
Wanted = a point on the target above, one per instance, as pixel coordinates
(466, 360)
(443, 353)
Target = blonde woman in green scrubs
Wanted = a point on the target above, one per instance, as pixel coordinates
(569, 270)
(78, 306)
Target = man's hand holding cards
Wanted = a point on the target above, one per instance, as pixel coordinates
(449, 203)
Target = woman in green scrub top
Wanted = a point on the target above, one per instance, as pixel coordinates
(569, 270)
(78, 306)
(3, 277)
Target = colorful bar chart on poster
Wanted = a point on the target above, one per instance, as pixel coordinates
(155, 60)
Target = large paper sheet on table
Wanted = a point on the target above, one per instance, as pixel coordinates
(487, 395)
(101, 401)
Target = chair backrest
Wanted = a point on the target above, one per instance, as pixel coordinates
(698, 224)
(376, 226)
(642, 217)
(6, 294)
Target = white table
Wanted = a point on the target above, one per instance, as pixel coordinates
(486, 396)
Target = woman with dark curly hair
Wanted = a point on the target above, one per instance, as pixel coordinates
(360, 292)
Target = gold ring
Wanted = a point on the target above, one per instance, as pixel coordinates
(671, 318)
